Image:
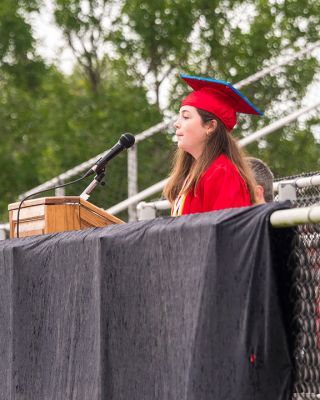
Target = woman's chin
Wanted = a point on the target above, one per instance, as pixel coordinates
(181, 146)
(187, 150)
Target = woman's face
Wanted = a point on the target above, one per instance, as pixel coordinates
(191, 133)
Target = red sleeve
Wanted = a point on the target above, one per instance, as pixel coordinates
(223, 188)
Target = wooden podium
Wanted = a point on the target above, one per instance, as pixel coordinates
(57, 214)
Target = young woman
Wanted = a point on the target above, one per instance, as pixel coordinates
(210, 171)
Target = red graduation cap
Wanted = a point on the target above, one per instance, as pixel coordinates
(218, 97)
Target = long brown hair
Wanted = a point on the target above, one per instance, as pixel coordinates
(187, 171)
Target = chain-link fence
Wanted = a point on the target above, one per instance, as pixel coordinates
(305, 296)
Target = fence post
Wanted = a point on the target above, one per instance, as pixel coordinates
(60, 192)
(132, 180)
(3, 235)
(145, 211)
(287, 191)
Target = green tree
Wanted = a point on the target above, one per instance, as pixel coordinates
(93, 29)
(18, 56)
(228, 40)
(238, 38)
(60, 121)
(64, 124)
(87, 27)
(154, 36)
(51, 122)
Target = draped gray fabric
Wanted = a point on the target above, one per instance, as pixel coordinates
(188, 308)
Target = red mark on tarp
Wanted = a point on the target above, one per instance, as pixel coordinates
(252, 358)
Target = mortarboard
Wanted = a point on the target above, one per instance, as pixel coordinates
(218, 97)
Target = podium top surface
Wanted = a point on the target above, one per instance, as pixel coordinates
(65, 200)
(48, 200)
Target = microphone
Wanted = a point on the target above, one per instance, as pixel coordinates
(126, 140)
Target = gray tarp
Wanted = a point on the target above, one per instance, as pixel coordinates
(187, 308)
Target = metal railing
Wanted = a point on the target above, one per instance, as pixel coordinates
(285, 188)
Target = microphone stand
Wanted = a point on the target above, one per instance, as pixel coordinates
(98, 180)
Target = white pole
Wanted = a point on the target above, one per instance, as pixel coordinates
(276, 125)
(295, 216)
(4, 228)
(132, 181)
(285, 61)
(300, 182)
(138, 197)
(60, 192)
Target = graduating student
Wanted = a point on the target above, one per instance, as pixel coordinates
(210, 171)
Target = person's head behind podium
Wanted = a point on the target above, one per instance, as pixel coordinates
(264, 178)
(203, 131)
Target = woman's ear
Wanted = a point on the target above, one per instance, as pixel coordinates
(212, 126)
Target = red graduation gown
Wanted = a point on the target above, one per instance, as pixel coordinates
(221, 186)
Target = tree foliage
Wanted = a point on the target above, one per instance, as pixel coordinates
(238, 38)
(18, 56)
(126, 53)
(154, 36)
(87, 27)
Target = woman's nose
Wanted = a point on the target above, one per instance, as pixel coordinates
(176, 124)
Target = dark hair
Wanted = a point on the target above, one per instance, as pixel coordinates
(185, 166)
(263, 177)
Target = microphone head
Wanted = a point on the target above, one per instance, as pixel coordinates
(127, 140)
